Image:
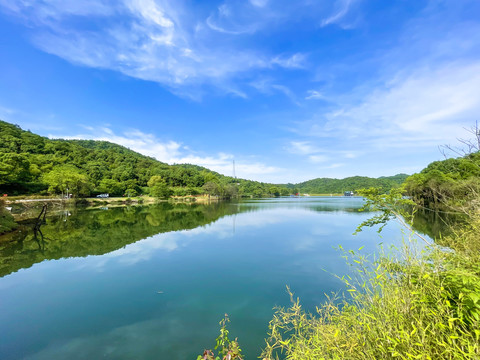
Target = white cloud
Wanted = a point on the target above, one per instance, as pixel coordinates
(146, 144)
(342, 8)
(314, 95)
(259, 3)
(150, 11)
(318, 158)
(6, 112)
(161, 41)
(318, 154)
(266, 86)
(424, 109)
(302, 148)
(294, 61)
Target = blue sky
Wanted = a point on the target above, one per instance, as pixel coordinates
(290, 90)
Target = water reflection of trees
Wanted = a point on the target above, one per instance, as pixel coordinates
(79, 233)
(435, 224)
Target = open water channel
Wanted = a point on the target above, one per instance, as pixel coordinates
(152, 282)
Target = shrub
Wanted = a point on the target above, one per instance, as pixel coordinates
(413, 307)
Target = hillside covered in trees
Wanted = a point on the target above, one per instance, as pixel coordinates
(335, 186)
(449, 183)
(30, 163)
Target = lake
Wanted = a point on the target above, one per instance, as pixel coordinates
(152, 282)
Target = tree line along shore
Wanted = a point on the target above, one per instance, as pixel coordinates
(34, 165)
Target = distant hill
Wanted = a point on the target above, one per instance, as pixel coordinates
(335, 186)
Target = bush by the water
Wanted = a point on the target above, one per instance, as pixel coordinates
(412, 307)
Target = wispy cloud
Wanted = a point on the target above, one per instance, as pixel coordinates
(342, 8)
(267, 86)
(294, 61)
(259, 3)
(318, 158)
(422, 96)
(5, 112)
(161, 41)
(424, 109)
(316, 153)
(302, 148)
(314, 95)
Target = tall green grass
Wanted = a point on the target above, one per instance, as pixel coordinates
(411, 307)
(407, 304)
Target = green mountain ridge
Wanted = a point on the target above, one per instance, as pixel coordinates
(27, 159)
(352, 183)
(30, 163)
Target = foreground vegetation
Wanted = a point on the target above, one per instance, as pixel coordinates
(417, 301)
(407, 304)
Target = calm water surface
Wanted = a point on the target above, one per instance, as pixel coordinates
(152, 282)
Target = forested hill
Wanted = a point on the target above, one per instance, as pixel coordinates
(450, 183)
(335, 186)
(30, 163)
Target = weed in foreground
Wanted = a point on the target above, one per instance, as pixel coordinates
(400, 306)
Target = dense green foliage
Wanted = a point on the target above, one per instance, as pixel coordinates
(447, 183)
(354, 183)
(405, 308)
(31, 163)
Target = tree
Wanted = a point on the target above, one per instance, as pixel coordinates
(130, 192)
(111, 187)
(161, 191)
(14, 168)
(154, 180)
(209, 177)
(211, 188)
(257, 191)
(275, 191)
(158, 187)
(67, 179)
(231, 191)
